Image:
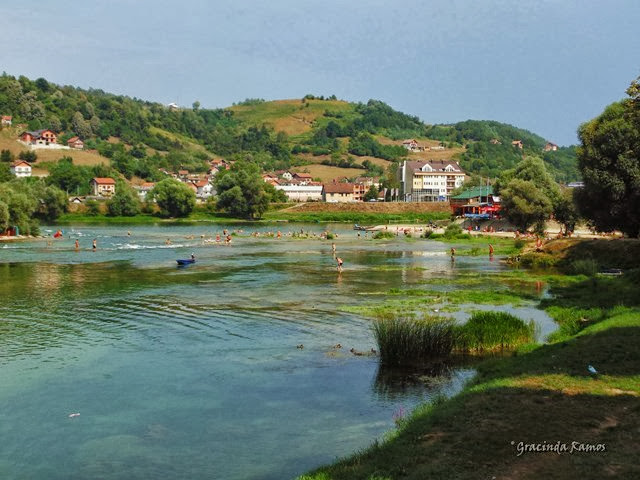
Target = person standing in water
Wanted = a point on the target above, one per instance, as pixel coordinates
(490, 250)
(453, 254)
(95, 244)
(77, 244)
(339, 261)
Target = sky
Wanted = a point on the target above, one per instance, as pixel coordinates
(543, 65)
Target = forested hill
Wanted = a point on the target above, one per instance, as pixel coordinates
(139, 136)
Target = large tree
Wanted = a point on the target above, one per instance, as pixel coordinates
(241, 190)
(174, 198)
(529, 194)
(609, 160)
(125, 202)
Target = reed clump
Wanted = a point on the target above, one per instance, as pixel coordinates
(489, 331)
(409, 341)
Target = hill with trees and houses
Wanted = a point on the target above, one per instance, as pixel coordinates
(327, 137)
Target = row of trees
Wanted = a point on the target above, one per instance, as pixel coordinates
(609, 162)
(26, 202)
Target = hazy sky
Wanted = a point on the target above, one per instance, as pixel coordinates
(544, 65)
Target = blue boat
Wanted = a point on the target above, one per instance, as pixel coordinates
(186, 261)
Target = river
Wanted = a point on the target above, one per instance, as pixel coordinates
(119, 364)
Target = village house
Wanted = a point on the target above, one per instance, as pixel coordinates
(430, 181)
(411, 145)
(75, 143)
(203, 189)
(21, 169)
(144, 189)
(338, 192)
(302, 193)
(368, 181)
(76, 200)
(550, 147)
(39, 138)
(6, 121)
(495, 141)
(517, 143)
(476, 203)
(173, 106)
(183, 174)
(284, 174)
(103, 186)
(302, 178)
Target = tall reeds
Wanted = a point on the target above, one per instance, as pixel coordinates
(407, 341)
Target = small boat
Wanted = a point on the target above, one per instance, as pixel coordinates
(186, 261)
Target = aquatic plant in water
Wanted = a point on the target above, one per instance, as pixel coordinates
(493, 331)
(406, 341)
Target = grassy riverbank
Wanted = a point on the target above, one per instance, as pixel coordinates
(378, 214)
(542, 395)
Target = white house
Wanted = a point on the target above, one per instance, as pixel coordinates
(430, 181)
(21, 169)
(145, 188)
(301, 193)
(204, 189)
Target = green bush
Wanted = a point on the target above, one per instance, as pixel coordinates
(383, 234)
(492, 331)
(584, 266)
(453, 230)
(93, 207)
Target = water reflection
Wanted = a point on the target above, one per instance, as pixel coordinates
(437, 379)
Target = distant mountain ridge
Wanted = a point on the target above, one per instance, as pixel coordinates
(138, 136)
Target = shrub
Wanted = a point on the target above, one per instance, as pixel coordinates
(453, 230)
(406, 341)
(492, 331)
(584, 266)
(383, 234)
(427, 233)
(93, 207)
(330, 236)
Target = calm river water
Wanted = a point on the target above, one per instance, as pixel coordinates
(195, 372)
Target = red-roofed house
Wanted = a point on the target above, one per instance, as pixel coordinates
(21, 169)
(75, 142)
(6, 121)
(517, 143)
(203, 189)
(103, 186)
(550, 147)
(39, 137)
(338, 192)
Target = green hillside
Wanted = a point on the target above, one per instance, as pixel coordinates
(137, 137)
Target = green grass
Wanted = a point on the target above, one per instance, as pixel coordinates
(543, 394)
(487, 331)
(406, 341)
(540, 393)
